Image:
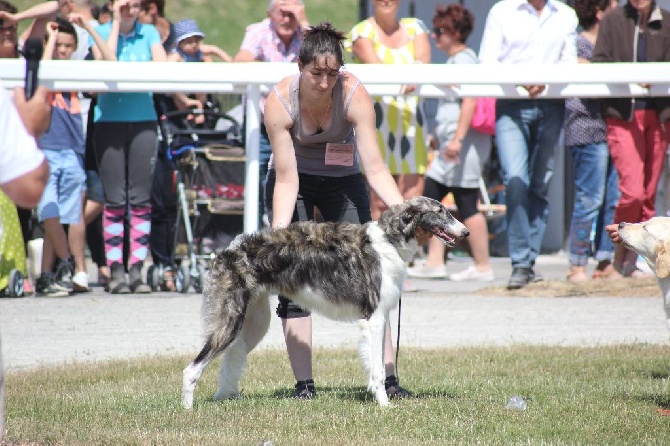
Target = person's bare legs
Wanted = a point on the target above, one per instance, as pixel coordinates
(77, 241)
(298, 338)
(92, 209)
(435, 254)
(55, 241)
(389, 359)
(478, 240)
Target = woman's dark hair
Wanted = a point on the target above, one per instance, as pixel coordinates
(319, 40)
(8, 7)
(586, 11)
(66, 27)
(454, 20)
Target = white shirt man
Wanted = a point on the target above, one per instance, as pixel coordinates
(528, 130)
(517, 33)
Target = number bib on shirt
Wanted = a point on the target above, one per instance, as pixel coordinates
(339, 154)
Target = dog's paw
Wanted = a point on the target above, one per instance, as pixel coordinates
(187, 401)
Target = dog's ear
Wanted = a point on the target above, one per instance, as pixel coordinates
(663, 261)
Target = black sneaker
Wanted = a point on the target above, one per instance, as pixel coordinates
(521, 277)
(304, 390)
(394, 390)
(47, 286)
(64, 273)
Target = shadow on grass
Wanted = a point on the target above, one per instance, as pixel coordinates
(659, 374)
(661, 401)
(361, 394)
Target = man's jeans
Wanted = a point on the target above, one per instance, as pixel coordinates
(527, 134)
(596, 197)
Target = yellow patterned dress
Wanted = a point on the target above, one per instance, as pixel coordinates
(12, 251)
(400, 119)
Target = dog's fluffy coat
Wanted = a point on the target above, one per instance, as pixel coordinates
(343, 271)
(651, 240)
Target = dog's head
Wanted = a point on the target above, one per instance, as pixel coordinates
(418, 215)
(651, 240)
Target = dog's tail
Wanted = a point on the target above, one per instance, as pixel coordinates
(225, 301)
(224, 307)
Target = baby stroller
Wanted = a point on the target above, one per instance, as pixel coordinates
(209, 181)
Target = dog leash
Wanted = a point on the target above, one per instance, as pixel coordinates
(397, 344)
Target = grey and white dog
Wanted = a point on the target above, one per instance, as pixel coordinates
(343, 271)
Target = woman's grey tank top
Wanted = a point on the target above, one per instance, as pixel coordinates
(310, 150)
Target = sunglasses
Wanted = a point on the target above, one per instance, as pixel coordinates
(438, 31)
(7, 27)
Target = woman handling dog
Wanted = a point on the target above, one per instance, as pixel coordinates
(321, 125)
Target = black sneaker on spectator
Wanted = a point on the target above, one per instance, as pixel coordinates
(46, 286)
(64, 273)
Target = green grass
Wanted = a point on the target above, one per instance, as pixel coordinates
(607, 395)
(224, 21)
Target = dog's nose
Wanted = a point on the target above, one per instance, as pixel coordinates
(466, 232)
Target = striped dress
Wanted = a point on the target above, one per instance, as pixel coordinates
(400, 119)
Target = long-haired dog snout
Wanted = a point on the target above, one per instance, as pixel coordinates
(343, 271)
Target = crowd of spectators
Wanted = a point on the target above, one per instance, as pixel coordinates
(126, 213)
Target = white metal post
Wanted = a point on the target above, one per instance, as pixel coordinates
(251, 181)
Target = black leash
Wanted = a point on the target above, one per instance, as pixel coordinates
(397, 345)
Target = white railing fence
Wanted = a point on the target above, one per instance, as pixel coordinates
(432, 80)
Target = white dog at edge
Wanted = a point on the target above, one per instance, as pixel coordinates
(651, 240)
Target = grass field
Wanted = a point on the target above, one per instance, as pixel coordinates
(224, 21)
(608, 395)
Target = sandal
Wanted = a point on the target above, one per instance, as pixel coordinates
(28, 289)
(606, 272)
(637, 273)
(577, 274)
(632, 271)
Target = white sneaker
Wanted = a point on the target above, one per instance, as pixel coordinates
(427, 272)
(80, 283)
(35, 247)
(472, 274)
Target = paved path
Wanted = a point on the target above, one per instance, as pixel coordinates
(99, 326)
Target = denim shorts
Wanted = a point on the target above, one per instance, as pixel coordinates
(63, 192)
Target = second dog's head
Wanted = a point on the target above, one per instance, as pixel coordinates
(651, 240)
(420, 215)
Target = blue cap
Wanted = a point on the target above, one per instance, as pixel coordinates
(186, 28)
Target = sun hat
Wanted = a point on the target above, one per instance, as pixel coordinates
(186, 28)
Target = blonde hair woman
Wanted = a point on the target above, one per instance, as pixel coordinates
(385, 38)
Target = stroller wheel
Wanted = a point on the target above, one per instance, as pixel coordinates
(153, 278)
(15, 288)
(183, 280)
(200, 280)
